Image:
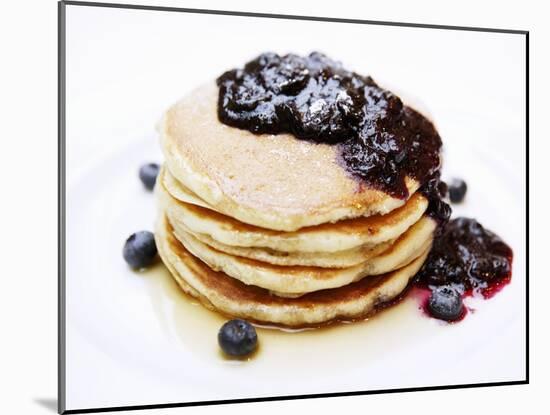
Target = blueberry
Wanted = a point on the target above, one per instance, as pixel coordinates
(445, 303)
(140, 249)
(457, 190)
(237, 338)
(148, 175)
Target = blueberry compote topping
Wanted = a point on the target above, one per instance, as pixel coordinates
(435, 190)
(380, 140)
(467, 258)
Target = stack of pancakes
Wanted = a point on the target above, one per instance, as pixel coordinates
(273, 229)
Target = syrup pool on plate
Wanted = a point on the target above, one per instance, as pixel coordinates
(195, 328)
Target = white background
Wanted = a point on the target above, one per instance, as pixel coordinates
(124, 344)
(30, 171)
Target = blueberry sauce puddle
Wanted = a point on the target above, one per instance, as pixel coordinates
(467, 258)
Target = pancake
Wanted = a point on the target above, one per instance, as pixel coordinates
(168, 183)
(184, 207)
(297, 280)
(337, 259)
(227, 295)
(271, 181)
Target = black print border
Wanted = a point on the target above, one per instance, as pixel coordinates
(62, 193)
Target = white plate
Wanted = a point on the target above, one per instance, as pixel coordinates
(139, 330)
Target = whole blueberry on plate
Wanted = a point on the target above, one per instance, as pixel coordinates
(457, 190)
(148, 175)
(238, 338)
(445, 303)
(140, 249)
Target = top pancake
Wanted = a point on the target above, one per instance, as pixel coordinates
(272, 181)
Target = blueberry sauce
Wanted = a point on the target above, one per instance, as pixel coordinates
(435, 191)
(469, 258)
(380, 140)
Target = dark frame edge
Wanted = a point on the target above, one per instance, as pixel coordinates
(291, 397)
(61, 376)
(527, 206)
(292, 17)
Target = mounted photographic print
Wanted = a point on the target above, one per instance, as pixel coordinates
(258, 207)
